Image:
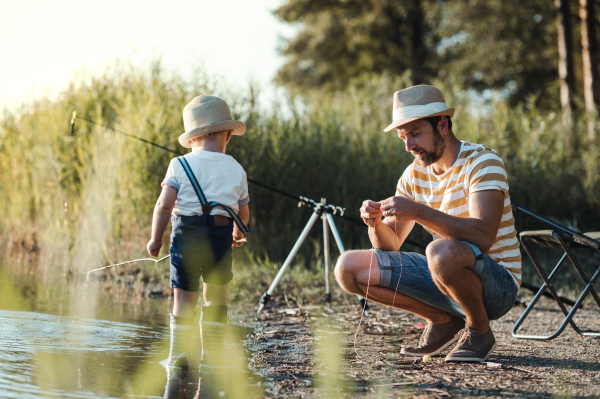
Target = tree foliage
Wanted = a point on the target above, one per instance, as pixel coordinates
(505, 45)
(509, 46)
(342, 40)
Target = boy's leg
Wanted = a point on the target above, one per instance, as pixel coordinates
(215, 294)
(184, 303)
(182, 324)
(213, 321)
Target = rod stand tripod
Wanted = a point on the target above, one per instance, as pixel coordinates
(325, 212)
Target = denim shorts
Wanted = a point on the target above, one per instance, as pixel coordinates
(200, 250)
(407, 273)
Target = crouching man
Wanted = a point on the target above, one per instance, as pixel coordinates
(458, 192)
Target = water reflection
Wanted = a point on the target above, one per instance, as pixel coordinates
(182, 383)
(195, 383)
(231, 381)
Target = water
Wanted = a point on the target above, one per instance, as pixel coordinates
(44, 355)
(52, 347)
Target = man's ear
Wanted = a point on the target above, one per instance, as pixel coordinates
(229, 133)
(443, 125)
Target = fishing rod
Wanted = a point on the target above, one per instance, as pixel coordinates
(338, 211)
(126, 263)
(139, 260)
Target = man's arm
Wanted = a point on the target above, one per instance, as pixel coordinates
(162, 214)
(480, 228)
(387, 234)
(390, 234)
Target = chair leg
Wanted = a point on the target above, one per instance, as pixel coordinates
(529, 309)
(577, 266)
(548, 284)
(588, 288)
(548, 279)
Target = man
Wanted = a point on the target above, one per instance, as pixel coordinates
(458, 192)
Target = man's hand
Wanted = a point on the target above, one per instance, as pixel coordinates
(401, 208)
(154, 247)
(370, 212)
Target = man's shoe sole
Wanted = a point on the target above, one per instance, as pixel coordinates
(470, 359)
(441, 348)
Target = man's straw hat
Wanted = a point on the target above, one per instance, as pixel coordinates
(418, 102)
(207, 114)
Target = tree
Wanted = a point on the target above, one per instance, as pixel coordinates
(519, 49)
(565, 56)
(505, 45)
(342, 40)
(590, 53)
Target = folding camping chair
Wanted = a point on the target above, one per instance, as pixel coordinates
(567, 240)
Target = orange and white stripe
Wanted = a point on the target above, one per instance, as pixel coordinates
(477, 168)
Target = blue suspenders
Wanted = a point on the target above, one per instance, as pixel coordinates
(208, 206)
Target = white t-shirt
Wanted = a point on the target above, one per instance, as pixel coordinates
(221, 178)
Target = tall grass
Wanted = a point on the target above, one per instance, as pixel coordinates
(317, 145)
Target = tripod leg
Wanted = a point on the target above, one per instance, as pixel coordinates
(338, 240)
(265, 298)
(326, 256)
(336, 235)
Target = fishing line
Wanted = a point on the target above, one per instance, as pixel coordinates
(369, 283)
(132, 136)
(281, 192)
(399, 277)
(266, 186)
(366, 299)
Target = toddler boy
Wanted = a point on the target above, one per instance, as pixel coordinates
(202, 237)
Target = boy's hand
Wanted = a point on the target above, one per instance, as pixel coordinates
(154, 247)
(238, 241)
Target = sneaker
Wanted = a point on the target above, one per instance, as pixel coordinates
(435, 338)
(473, 346)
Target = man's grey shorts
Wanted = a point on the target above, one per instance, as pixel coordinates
(407, 273)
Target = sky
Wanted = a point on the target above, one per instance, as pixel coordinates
(45, 43)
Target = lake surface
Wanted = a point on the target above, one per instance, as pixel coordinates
(44, 355)
(53, 343)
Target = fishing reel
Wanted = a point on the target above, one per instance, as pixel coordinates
(321, 206)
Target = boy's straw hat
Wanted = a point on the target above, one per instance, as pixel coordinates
(418, 102)
(207, 114)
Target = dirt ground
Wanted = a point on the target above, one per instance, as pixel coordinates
(309, 352)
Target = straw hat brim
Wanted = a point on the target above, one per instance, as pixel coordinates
(237, 127)
(448, 112)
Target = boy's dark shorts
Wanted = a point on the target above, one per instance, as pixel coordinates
(200, 250)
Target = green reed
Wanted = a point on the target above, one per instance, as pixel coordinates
(316, 145)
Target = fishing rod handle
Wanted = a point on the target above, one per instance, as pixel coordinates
(587, 240)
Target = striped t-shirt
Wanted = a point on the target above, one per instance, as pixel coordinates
(477, 168)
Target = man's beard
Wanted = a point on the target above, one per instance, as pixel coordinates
(439, 147)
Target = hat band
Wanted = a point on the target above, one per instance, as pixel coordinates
(417, 111)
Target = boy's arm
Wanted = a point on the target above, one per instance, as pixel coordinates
(162, 213)
(244, 214)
